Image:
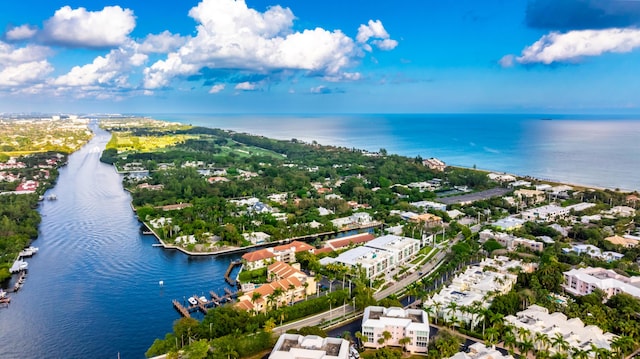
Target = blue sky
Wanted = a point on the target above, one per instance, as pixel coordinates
(257, 56)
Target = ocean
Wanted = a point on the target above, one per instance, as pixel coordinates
(599, 151)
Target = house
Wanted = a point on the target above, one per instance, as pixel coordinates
(295, 346)
(593, 252)
(503, 178)
(430, 205)
(622, 211)
(583, 281)
(508, 223)
(623, 241)
(256, 237)
(530, 196)
(156, 187)
(434, 164)
(285, 253)
(427, 219)
(399, 323)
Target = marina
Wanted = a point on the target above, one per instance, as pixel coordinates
(201, 303)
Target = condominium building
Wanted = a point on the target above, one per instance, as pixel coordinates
(396, 323)
(378, 256)
(583, 281)
(538, 320)
(476, 286)
(294, 346)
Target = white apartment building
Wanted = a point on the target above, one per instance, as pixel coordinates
(401, 248)
(583, 281)
(380, 256)
(553, 212)
(537, 319)
(295, 346)
(373, 261)
(400, 323)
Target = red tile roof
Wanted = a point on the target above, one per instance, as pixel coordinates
(282, 270)
(347, 241)
(296, 245)
(258, 255)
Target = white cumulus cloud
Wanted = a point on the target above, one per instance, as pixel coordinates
(110, 70)
(574, 45)
(25, 73)
(22, 32)
(246, 86)
(164, 42)
(109, 27)
(230, 35)
(375, 30)
(23, 65)
(216, 88)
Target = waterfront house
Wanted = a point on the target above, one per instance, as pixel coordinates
(626, 242)
(285, 253)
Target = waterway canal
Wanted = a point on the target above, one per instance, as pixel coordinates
(92, 290)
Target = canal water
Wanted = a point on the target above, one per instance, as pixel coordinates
(92, 291)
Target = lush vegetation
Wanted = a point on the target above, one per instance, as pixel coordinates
(19, 137)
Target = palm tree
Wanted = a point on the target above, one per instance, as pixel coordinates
(386, 336)
(559, 343)
(577, 353)
(452, 307)
(255, 296)
(430, 311)
(509, 341)
(525, 346)
(277, 293)
(492, 336)
(622, 345)
(291, 289)
(542, 341)
(404, 341)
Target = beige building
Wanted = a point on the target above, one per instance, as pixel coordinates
(292, 284)
(399, 323)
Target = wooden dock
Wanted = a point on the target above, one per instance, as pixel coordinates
(183, 311)
(227, 274)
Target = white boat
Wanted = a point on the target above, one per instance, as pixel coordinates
(52, 197)
(193, 301)
(203, 299)
(28, 252)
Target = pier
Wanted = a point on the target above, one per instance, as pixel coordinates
(203, 305)
(227, 274)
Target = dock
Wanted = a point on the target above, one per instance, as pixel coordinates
(183, 311)
(203, 305)
(227, 274)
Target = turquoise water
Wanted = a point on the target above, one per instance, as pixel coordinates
(601, 151)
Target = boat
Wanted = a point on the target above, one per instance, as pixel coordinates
(18, 265)
(5, 300)
(203, 299)
(3, 293)
(193, 301)
(52, 197)
(28, 252)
